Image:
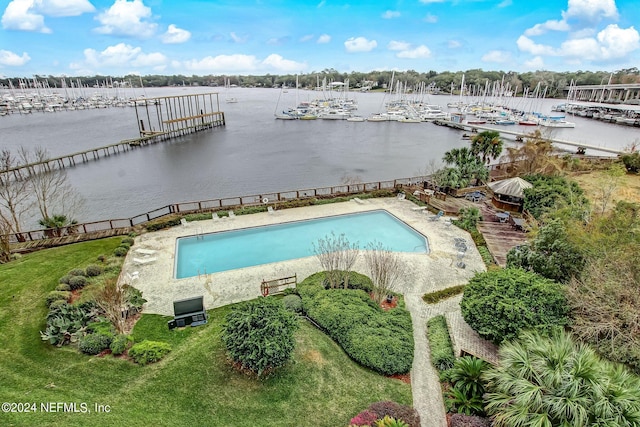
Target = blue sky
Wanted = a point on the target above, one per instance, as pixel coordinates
(201, 37)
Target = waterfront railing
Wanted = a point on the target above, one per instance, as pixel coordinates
(125, 224)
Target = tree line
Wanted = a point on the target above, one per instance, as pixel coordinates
(441, 82)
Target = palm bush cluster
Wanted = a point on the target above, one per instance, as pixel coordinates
(554, 381)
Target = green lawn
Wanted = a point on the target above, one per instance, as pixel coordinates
(193, 385)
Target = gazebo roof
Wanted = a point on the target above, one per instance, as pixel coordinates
(510, 187)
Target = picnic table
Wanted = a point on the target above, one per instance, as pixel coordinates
(503, 216)
(518, 223)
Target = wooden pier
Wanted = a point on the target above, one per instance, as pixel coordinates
(158, 119)
(521, 135)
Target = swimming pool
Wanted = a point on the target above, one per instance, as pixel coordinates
(230, 250)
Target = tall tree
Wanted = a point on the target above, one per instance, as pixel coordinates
(51, 189)
(14, 193)
(487, 145)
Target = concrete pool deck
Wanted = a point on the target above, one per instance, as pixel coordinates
(152, 257)
(152, 272)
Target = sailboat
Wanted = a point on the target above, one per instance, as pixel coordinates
(229, 99)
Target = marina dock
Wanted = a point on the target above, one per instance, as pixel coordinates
(522, 135)
(158, 119)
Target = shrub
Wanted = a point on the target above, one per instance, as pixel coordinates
(76, 272)
(556, 381)
(388, 421)
(63, 287)
(102, 258)
(550, 254)
(77, 282)
(149, 351)
(57, 296)
(93, 270)
(462, 420)
(94, 343)
(66, 323)
(65, 279)
(127, 241)
(259, 335)
(437, 296)
(119, 344)
(125, 245)
(162, 223)
(499, 304)
(487, 258)
(631, 162)
(292, 303)
(364, 418)
(397, 411)
(57, 304)
(442, 356)
(120, 251)
(380, 340)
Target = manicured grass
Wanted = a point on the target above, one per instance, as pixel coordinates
(193, 385)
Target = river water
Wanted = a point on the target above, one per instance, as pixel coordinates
(254, 153)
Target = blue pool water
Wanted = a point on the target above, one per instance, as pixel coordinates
(229, 250)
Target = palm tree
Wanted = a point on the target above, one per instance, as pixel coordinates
(467, 166)
(56, 224)
(553, 381)
(487, 145)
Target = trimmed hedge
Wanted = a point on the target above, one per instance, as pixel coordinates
(437, 296)
(378, 339)
(292, 303)
(442, 356)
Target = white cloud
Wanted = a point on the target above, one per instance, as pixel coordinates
(11, 59)
(396, 45)
(19, 15)
(499, 56)
(610, 43)
(126, 18)
(236, 62)
(149, 60)
(28, 15)
(454, 44)
(616, 42)
(360, 44)
(277, 62)
(552, 25)
(63, 7)
(527, 45)
(325, 38)
(306, 38)
(431, 19)
(419, 52)
(535, 64)
(591, 10)
(240, 64)
(118, 56)
(175, 35)
(390, 14)
(237, 38)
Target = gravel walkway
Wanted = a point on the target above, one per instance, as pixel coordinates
(149, 267)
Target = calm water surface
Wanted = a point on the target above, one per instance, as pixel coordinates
(253, 153)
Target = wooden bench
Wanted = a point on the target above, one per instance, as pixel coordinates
(275, 286)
